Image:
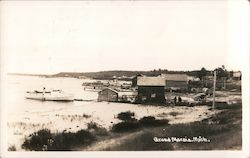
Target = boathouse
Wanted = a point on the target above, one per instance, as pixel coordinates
(151, 90)
(112, 95)
(108, 94)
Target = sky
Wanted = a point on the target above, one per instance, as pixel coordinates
(63, 36)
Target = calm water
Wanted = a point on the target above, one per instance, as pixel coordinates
(18, 85)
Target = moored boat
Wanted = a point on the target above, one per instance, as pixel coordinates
(54, 95)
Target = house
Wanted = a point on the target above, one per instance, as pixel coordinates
(237, 75)
(175, 81)
(134, 80)
(151, 89)
(108, 94)
(112, 95)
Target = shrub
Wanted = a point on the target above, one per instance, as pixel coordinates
(92, 125)
(125, 126)
(66, 141)
(12, 148)
(100, 131)
(126, 116)
(151, 121)
(96, 129)
(38, 141)
(83, 137)
(63, 141)
(45, 140)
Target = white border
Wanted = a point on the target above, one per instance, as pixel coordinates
(240, 10)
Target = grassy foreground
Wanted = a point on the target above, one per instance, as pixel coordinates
(224, 130)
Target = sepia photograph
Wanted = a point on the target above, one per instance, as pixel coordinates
(155, 76)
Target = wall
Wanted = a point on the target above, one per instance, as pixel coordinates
(107, 95)
(151, 94)
(180, 84)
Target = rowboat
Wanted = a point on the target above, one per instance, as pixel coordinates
(54, 95)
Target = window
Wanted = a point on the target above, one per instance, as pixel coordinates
(153, 95)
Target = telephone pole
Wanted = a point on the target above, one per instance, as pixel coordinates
(214, 89)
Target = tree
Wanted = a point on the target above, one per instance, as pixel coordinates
(222, 73)
(202, 73)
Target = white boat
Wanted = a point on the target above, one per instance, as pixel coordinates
(54, 95)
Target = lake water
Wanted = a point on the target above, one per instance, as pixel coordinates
(25, 116)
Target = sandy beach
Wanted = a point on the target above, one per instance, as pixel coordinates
(75, 117)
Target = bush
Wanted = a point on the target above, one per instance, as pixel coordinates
(100, 131)
(126, 116)
(12, 148)
(131, 125)
(151, 121)
(125, 126)
(38, 141)
(83, 137)
(62, 141)
(96, 129)
(45, 140)
(92, 125)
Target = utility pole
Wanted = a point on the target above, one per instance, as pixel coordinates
(214, 89)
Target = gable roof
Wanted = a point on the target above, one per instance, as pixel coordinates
(150, 81)
(175, 77)
(107, 88)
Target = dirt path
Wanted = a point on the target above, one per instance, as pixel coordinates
(111, 143)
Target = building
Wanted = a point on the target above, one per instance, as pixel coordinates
(237, 75)
(134, 80)
(175, 81)
(151, 89)
(112, 95)
(108, 94)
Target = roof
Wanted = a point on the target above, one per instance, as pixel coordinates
(110, 90)
(150, 81)
(175, 77)
(120, 93)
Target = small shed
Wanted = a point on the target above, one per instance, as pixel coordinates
(237, 75)
(151, 90)
(108, 94)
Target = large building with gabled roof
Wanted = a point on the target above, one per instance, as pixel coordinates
(151, 90)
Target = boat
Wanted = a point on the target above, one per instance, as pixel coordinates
(54, 95)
